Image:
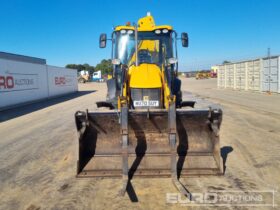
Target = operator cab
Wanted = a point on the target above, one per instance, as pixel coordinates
(144, 51)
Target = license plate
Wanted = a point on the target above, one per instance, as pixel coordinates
(145, 103)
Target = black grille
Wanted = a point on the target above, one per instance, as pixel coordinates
(154, 94)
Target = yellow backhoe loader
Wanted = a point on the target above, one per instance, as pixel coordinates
(147, 129)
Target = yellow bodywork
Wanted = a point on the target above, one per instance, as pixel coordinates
(146, 75)
(144, 24)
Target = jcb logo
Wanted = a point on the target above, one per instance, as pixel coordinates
(59, 80)
(7, 82)
(145, 98)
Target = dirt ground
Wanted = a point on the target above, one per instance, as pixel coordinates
(38, 153)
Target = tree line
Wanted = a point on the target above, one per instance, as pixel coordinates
(105, 66)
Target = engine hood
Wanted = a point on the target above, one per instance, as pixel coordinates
(145, 76)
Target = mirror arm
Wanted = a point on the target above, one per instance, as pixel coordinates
(112, 52)
(136, 44)
(176, 54)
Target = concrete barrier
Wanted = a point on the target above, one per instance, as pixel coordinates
(23, 82)
(61, 81)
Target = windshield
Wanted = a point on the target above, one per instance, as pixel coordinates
(152, 48)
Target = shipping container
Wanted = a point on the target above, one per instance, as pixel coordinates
(254, 69)
(229, 75)
(221, 76)
(270, 74)
(261, 74)
(240, 76)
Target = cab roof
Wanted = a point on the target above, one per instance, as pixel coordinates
(119, 28)
(144, 24)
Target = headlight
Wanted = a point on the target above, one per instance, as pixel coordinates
(157, 31)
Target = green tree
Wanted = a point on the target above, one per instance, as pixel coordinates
(225, 62)
(105, 66)
(71, 66)
(81, 67)
(89, 68)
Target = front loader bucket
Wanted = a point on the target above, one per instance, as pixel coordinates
(100, 148)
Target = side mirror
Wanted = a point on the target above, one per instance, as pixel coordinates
(185, 39)
(102, 40)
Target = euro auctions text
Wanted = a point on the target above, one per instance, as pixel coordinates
(224, 198)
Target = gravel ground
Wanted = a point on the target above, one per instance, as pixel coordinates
(38, 153)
